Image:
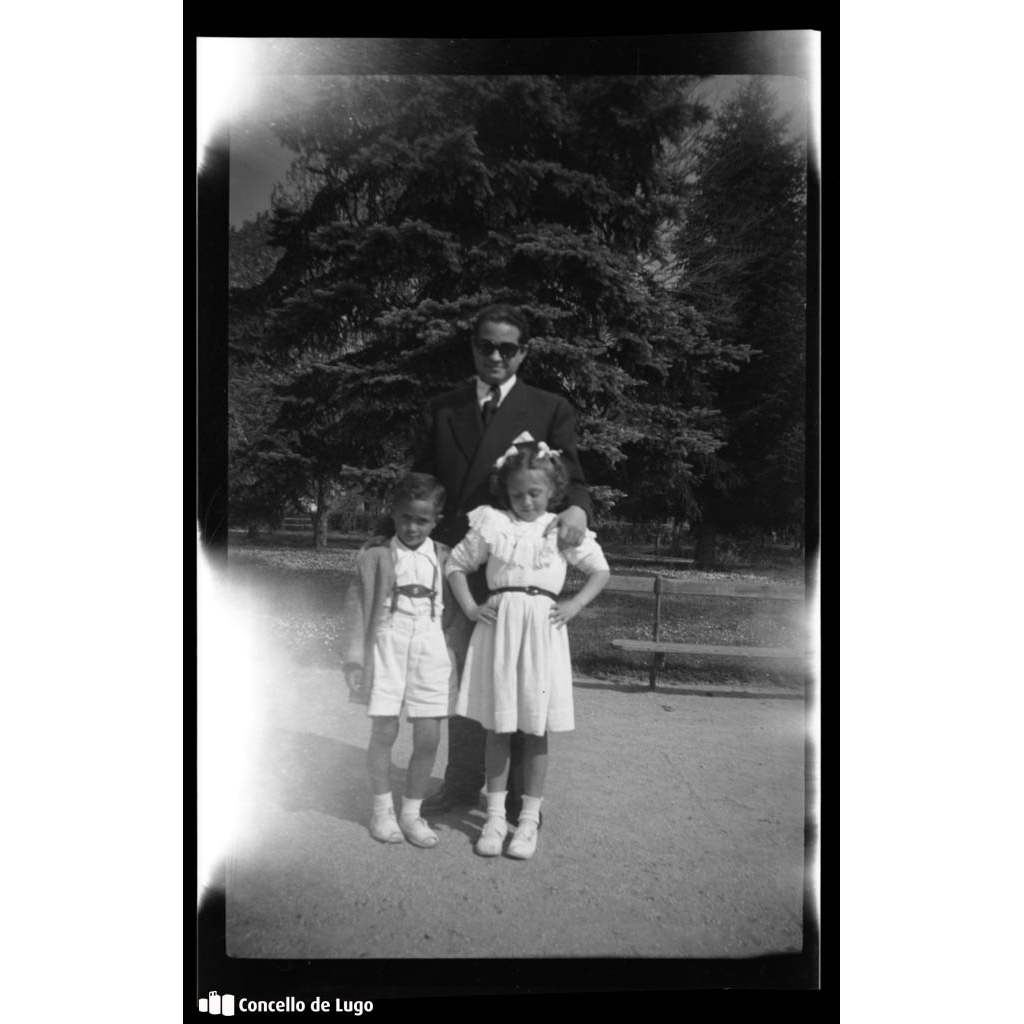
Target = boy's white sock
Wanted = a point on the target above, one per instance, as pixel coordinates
(382, 802)
(496, 804)
(531, 809)
(411, 808)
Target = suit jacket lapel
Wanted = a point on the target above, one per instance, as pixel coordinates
(509, 422)
(467, 426)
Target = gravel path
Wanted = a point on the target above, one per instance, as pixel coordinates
(673, 827)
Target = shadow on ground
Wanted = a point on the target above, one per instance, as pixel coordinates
(307, 772)
(314, 773)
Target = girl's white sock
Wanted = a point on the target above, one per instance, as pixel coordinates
(382, 802)
(531, 809)
(410, 807)
(496, 804)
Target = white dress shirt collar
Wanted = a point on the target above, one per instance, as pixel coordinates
(483, 391)
(425, 550)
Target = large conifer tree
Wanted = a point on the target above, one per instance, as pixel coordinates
(743, 253)
(414, 201)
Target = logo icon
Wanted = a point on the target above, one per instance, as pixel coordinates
(224, 1005)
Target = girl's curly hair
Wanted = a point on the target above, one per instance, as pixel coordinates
(529, 455)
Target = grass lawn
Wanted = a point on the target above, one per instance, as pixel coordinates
(300, 592)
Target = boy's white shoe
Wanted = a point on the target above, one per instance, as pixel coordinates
(384, 827)
(492, 838)
(418, 832)
(524, 842)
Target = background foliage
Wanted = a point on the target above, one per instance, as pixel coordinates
(658, 253)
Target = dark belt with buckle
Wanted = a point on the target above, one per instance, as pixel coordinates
(413, 590)
(533, 591)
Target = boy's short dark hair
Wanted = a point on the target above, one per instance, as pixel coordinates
(419, 487)
(502, 313)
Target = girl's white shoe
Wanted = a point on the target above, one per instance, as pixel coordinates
(524, 842)
(492, 838)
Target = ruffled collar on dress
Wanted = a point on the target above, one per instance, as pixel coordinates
(517, 543)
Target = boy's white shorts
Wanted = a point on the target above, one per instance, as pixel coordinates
(412, 666)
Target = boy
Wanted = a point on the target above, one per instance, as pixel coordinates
(397, 653)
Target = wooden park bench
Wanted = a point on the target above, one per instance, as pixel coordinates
(659, 586)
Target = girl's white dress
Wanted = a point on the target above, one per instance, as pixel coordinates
(517, 673)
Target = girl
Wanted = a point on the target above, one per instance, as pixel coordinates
(517, 674)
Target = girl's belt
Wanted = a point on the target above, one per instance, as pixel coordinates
(534, 591)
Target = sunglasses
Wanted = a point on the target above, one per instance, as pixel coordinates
(505, 349)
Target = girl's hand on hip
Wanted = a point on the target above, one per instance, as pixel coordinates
(565, 611)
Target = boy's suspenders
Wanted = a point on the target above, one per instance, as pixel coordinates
(416, 589)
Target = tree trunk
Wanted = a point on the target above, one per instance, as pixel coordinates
(757, 543)
(677, 533)
(320, 517)
(705, 554)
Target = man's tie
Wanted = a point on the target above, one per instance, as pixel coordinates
(490, 407)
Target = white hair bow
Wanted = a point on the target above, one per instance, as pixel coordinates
(509, 452)
(542, 449)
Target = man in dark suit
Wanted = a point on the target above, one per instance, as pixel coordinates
(466, 431)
